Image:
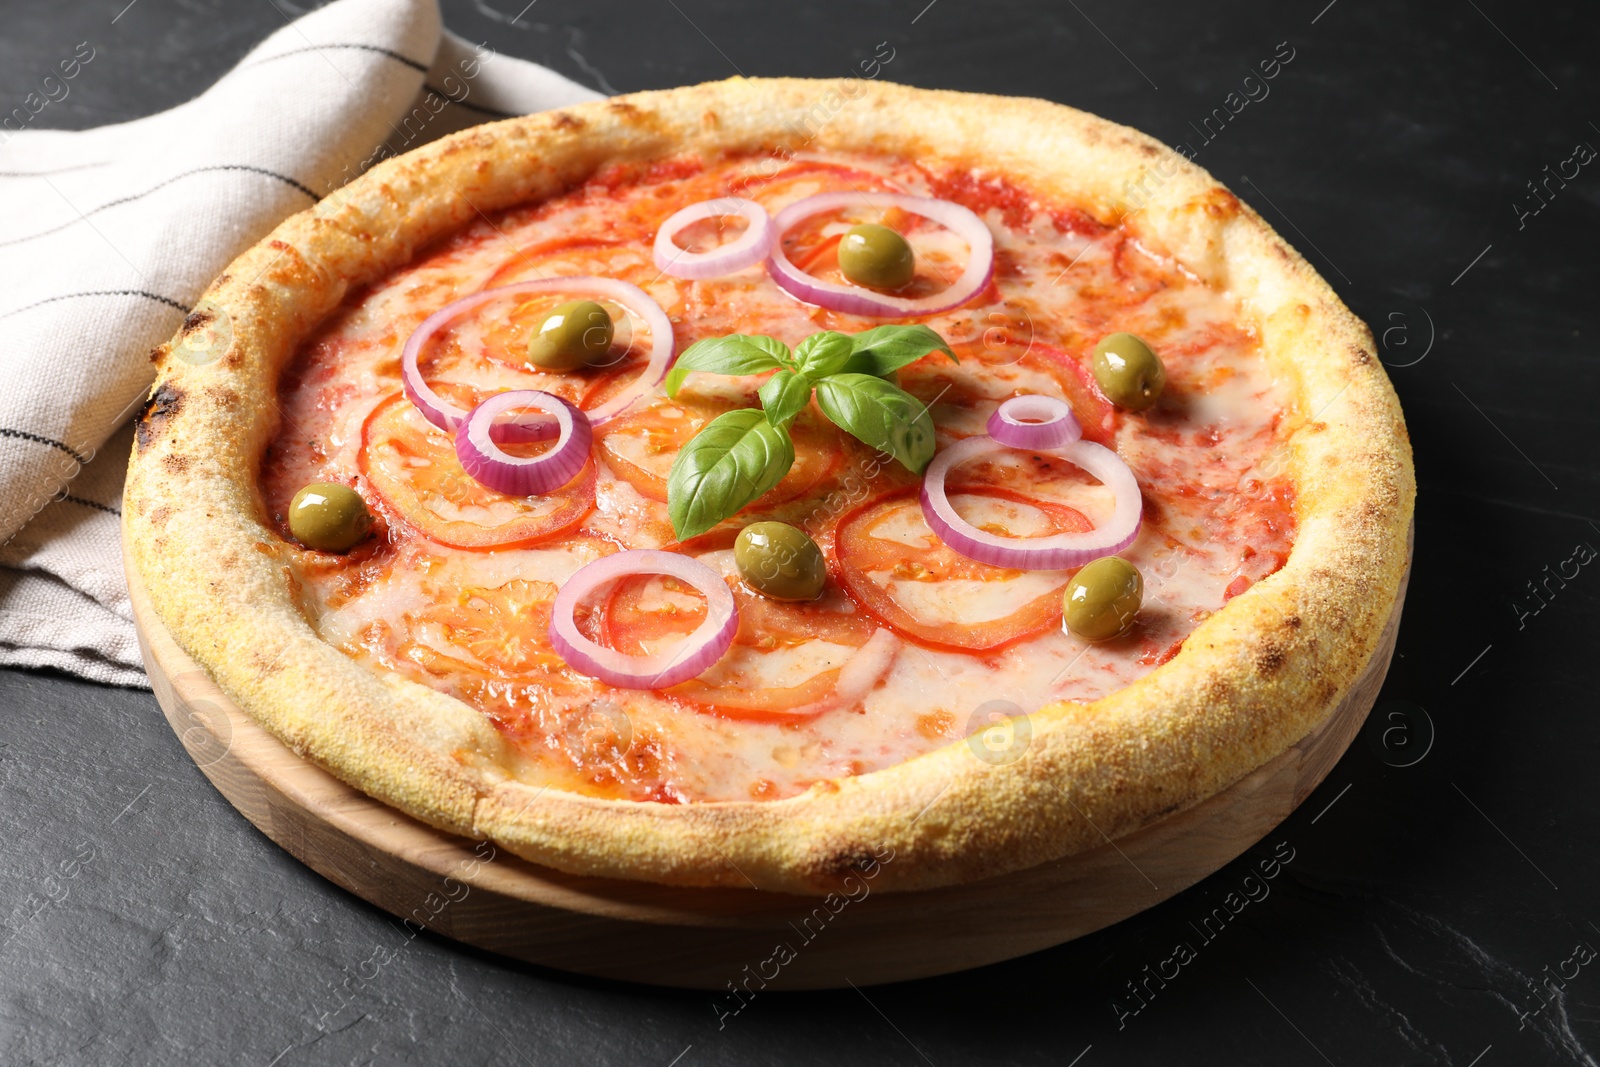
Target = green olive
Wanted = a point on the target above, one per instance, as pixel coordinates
(1129, 371)
(1102, 599)
(570, 336)
(876, 256)
(329, 517)
(780, 561)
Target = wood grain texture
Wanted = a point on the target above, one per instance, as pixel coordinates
(706, 938)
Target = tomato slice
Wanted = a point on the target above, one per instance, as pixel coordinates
(813, 257)
(999, 365)
(816, 253)
(640, 446)
(504, 627)
(895, 568)
(803, 644)
(621, 256)
(1095, 412)
(414, 469)
(808, 178)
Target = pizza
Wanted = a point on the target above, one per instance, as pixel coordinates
(745, 483)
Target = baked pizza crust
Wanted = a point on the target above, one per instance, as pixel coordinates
(1250, 681)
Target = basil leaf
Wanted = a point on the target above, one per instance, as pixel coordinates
(783, 396)
(880, 414)
(737, 353)
(823, 354)
(738, 456)
(885, 349)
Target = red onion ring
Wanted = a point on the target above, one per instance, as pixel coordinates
(447, 416)
(1056, 552)
(524, 475)
(858, 300)
(699, 650)
(1034, 421)
(750, 247)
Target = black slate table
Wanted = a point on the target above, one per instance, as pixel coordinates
(1441, 903)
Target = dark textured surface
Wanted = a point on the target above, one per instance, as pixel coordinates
(143, 921)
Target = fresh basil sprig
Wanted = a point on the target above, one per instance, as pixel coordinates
(738, 456)
(880, 413)
(741, 454)
(737, 353)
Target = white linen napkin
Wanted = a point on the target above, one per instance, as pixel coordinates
(108, 236)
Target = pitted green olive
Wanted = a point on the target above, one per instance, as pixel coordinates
(1129, 372)
(780, 561)
(1103, 599)
(570, 336)
(876, 256)
(329, 517)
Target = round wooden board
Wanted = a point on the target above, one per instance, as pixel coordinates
(708, 938)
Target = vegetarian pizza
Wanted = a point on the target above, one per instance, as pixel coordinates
(684, 488)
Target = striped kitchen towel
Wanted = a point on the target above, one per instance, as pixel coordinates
(108, 236)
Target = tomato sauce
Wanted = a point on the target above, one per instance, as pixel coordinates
(909, 639)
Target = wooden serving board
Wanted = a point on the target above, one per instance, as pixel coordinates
(706, 938)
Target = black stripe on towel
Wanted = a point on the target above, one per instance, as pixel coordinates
(396, 56)
(107, 508)
(284, 178)
(37, 439)
(167, 300)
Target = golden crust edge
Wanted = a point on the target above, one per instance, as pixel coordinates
(1182, 733)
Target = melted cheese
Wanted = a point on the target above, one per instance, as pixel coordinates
(1214, 516)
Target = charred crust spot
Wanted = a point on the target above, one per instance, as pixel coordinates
(222, 396)
(163, 404)
(625, 109)
(157, 352)
(159, 517)
(1360, 355)
(198, 320)
(1270, 659)
(175, 463)
(1292, 622)
(1148, 150)
(564, 121)
(844, 862)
